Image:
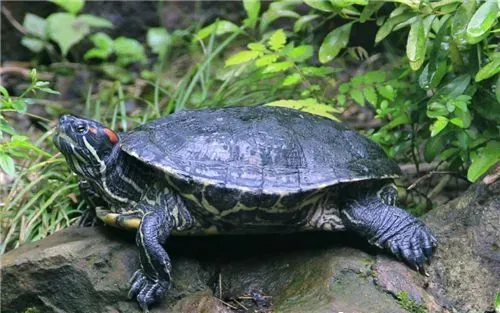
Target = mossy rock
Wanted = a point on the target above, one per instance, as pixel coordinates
(87, 269)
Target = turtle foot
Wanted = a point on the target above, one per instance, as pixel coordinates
(146, 290)
(415, 244)
(89, 219)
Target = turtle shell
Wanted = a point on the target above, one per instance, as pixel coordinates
(261, 150)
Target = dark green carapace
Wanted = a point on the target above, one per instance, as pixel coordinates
(238, 170)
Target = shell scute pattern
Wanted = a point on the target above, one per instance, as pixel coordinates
(241, 158)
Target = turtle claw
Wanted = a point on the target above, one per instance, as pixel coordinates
(146, 290)
(88, 219)
(415, 245)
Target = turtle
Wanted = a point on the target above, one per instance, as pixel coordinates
(237, 170)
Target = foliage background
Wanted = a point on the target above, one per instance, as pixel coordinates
(419, 77)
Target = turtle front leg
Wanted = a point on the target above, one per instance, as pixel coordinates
(92, 200)
(152, 280)
(390, 227)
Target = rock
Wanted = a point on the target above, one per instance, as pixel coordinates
(87, 269)
(466, 267)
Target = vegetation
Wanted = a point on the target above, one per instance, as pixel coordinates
(408, 304)
(430, 75)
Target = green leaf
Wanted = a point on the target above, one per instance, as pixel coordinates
(128, 50)
(317, 71)
(497, 89)
(368, 10)
(416, 44)
(278, 67)
(266, 60)
(256, 46)
(96, 53)
(4, 93)
(159, 40)
(35, 25)
(462, 140)
(292, 79)
(33, 75)
(456, 87)
(461, 20)
(5, 127)
(481, 22)
(303, 21)
(428, 21)
(95, 21)
(287, 48)
(322, 5)
(357, 96)
(334, 42)
(341, 99)
(449, 153)
(66, 30)
(219, 27)
(20, 105)
(277, 40)
(127, 46)
(386, 91)
(301, 53)
(485, 159)
(102, 40)
(277, 10)
(462, 119)
(48, 90)
(374, 77)
(457, 121)
(462, 101)
(438, 126)
(389, 25)
(436, 109)
(399, 120)
(437, 67)
(309, 105)
(431, 78)
(488, 107)
(344, 88)
(35, 45)
(346, 3)
(433, 146)
(7, 165)
(242, 57)
(104, 45)
(488, 70)
(72, 6)
(252, 7)
(370, 95)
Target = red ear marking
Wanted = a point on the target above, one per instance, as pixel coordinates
(93, 130)
(111, 135)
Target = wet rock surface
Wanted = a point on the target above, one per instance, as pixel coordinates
(87, 270)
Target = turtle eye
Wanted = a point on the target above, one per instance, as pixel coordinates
(81, 128)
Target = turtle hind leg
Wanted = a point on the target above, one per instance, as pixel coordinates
(389, 227)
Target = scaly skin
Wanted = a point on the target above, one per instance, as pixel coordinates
(390, 227)
(92, 200)
(150, 283)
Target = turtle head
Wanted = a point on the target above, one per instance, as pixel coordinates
(86, 144)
